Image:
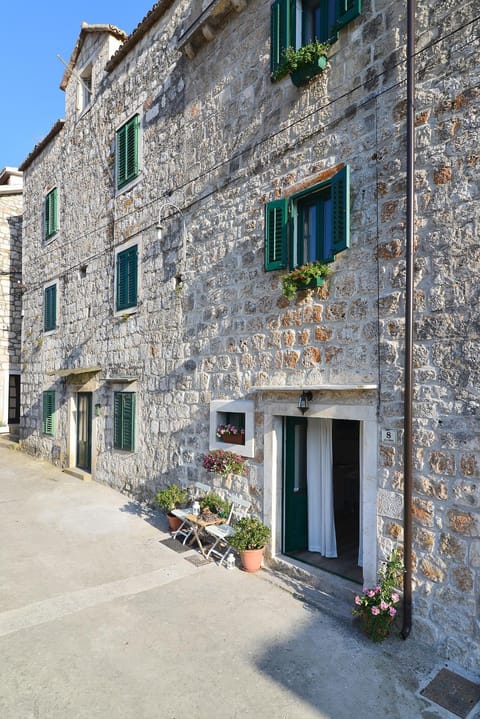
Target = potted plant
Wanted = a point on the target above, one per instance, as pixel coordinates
(212, 502)
(249, 538)
(305, 277)
(303, 64)
(224, 462)
(231, 434)
(376, 606)
(168, 499)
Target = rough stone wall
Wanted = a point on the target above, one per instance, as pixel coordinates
(446, 502)
(219, 140)
(10, 292)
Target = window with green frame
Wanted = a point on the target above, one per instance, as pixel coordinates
(313, 225)
(48, 412)
(126, 152)
(295, 23)
(50, 308)
(50, 214)
(124, 420)
(127, 279)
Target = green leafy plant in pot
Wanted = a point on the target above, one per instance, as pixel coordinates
(249, 538)
(215, 504)
(168, 499)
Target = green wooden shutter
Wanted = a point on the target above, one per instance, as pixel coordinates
(129, 421)
(282, 30)
(48, 413)
(346, 11)
(132, 147)
(124, 421)
(127, 152)
(50, 308)
(276, 222)
(117, 420)
(51, 214)
(341, 210)
(127, 278)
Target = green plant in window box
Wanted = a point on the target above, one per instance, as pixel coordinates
(303, 64)
(305, 277)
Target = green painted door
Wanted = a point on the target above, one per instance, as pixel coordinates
(295, 499)
(84, 431)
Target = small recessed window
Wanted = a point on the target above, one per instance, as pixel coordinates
(85, 88)
(48, 413)
(127, 152)
(50, 214)
(124, 421)
(126, 279)
(50, 308)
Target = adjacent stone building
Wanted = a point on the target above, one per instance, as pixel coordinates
(11, 204)
(162, 214)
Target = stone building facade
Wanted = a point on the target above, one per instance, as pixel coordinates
(160, 217)
(11, 205)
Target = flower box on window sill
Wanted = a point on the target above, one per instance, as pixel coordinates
(307, 72)
(233, 438)
(316, 282)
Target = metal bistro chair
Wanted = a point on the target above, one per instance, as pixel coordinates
(196, 490)
(221, 532)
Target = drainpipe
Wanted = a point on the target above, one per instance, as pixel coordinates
(409, 289)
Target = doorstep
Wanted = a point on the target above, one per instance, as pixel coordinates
(78, 474)
(325, 591)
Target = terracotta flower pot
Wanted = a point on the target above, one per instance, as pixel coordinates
(173, 522)
(251, 559)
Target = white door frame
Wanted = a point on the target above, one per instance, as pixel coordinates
(368, 441)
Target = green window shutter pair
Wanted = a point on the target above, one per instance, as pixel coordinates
(283, 25)
(126, 152)
(51, 214)
(124, 421)
(48, 413)
(127, 278)
(50, 308)
(276, 221)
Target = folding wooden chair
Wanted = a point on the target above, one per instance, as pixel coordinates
(221, 532)
(196, 491)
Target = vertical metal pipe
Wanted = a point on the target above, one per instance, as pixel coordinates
(409, 299)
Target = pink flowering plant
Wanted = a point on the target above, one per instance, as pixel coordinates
(377, 605)
(221, 461)
(223, 429)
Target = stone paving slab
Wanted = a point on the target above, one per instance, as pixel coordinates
(98, 619)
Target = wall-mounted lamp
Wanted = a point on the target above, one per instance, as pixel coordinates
(159, 225)
(98, 407)
(303, 401)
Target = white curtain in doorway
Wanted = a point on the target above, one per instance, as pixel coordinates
(321, 518)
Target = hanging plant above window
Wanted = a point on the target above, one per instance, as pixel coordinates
(303, 64)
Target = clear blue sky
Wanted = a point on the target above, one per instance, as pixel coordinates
(32, 34)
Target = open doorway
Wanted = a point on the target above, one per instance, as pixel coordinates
(321, 497)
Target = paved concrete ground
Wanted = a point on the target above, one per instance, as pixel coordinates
(99, 619)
